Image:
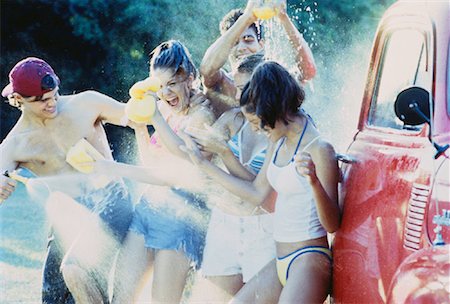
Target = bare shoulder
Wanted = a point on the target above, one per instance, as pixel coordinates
(11, 140)
(8, 149)
(233, 119)
(201, 114)
(77, 99)
(322, 149)
(21, 132)
(75, 104)
(97, 105)
(229, 122)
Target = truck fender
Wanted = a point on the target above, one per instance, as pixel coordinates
(423, 277)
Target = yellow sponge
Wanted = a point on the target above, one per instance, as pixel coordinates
(80, 153)
(139, 89)
(141, 110)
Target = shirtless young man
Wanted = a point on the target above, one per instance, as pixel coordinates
(240, 37)
(48, 127)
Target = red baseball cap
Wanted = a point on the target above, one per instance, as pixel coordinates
(27, 78)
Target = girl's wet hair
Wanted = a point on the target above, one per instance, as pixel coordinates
(174, 55)
(272, 94)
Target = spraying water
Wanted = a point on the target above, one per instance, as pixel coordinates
(78, 225)
(333, 97)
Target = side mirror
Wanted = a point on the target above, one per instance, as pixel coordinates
(412, 106)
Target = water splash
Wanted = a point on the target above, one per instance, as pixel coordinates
(73, 184)
(81, 232)
(334, 96)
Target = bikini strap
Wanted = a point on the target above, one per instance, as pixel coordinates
(296, 148)
(239, 139)
(241, 130)
(278, 149)
(300, 140)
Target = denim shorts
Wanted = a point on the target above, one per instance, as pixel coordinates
(181, 226)
(114, 206)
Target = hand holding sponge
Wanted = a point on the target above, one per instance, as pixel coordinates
(82, 155)
(141, 106)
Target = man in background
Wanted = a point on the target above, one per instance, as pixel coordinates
(241, 35)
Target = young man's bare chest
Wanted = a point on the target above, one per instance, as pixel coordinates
(44, 149)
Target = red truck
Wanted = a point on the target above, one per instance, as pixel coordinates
(392, 246)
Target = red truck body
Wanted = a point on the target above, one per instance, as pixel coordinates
(395, 192)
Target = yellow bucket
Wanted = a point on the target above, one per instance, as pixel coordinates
(264, 13)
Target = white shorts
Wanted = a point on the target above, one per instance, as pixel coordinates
(238, 244)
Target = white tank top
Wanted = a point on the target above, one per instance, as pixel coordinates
(295, 217)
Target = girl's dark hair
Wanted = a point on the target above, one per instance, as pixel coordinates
(174, 55)
(272, 94)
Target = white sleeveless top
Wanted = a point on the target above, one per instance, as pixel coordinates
(295, 217)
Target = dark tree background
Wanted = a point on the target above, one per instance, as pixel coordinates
(104, 44)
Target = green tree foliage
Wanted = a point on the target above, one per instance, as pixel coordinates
(104, 44)
(128, 30)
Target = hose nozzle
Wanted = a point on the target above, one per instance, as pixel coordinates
(16, 176)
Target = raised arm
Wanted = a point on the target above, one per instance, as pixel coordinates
(303, 53)
(217, 54)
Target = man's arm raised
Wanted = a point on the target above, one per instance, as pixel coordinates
(217, 54)
(303, 54)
